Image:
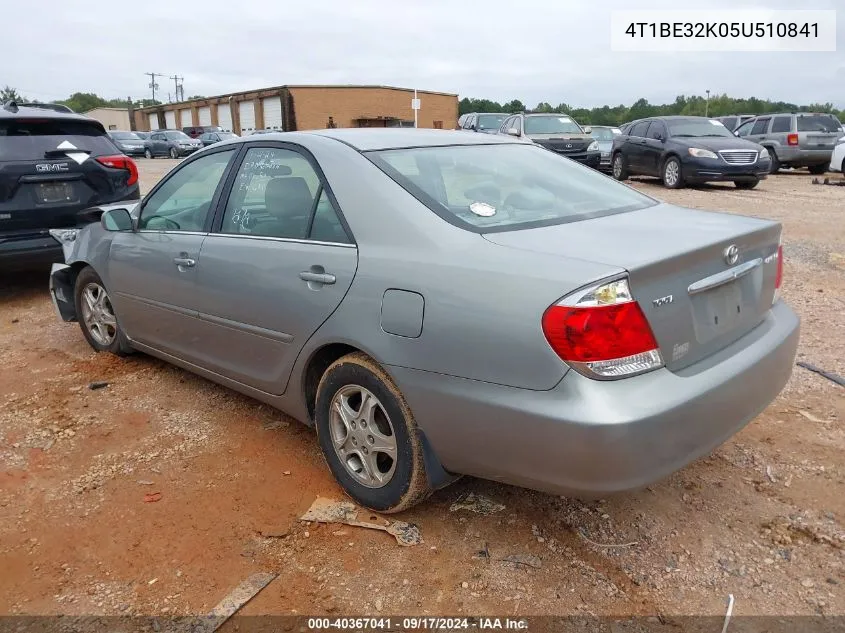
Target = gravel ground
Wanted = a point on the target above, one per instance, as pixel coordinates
(81, 531)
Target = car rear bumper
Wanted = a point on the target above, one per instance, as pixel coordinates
(707, 170)
(35, 249)
(798, 157)
(589, 438)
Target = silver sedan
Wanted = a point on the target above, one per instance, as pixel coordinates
(438, 304)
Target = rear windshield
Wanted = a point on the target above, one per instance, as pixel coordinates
(698, 127)
(604, 133)
(124, 136)
(487, 188)
(33, 139)
(551, 125)
(490, 121)
(817, 123)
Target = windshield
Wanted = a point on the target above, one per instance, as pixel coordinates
(490, 121)
(697, 127)
(817, 123)
(177, 136)
(551, 125)
(505, 187)
(226, 135)
(124, 136)
(604, 133)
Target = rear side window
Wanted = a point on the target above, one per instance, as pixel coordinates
(34, 139)
(817, 123)
(486, 188)
(782, 124)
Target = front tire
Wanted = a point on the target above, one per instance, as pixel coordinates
(818, 169)
(174, 153)
(746, 184)
(148, 153)
(96, 315)
(619, 167)
(369, 437)
(775, 163)
(672, 176)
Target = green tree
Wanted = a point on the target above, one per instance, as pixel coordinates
(514, 106)
(10, 94)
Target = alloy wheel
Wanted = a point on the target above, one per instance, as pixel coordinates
(617, 166)
(362, 435)
(671, 173)
(98, 314)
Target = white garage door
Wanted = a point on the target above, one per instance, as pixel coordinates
(247, 111)
(272, 113)
(185, 114)
(204, 114)
(153, 118)
(224, 117)
(170, 120)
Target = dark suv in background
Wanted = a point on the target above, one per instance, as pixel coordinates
(556, 132)
(195, 131)
(687, 150)
(53, 165)
(795, 139)
(486, 122)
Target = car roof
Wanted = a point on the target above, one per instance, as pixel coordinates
(8, 111)
(366, 139)
(546, 114)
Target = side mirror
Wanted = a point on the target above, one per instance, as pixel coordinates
(513, 131)
(736, 133)
(659, 137)
(117, 220)
(588, 129)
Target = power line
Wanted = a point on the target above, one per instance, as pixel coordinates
(153, 85)
(180, 88)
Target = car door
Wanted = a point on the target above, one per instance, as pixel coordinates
(760, 129)
(276, 266)
(654, 147)
(152, 270)
(635, 147)
(744, 129)
(160, 144)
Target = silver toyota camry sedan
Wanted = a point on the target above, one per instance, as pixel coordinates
(439, 304)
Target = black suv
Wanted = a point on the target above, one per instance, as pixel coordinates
(52, 166)
(687, 150)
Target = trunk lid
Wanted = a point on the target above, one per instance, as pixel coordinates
(48, 172)
(695, 301)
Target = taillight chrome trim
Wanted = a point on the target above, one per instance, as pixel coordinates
(649, 361)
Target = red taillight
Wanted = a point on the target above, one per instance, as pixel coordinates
(602, 333)
(585, 335)
(120, 161)
(792, 139)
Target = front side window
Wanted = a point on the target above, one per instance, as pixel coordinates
(275, 194)
(657, 130)
(505, 187)
(760, 126)
(744, 129)
(183, 201)
(639, 130)
(551, 125)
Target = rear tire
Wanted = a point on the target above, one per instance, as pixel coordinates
(775, 165)
(358, 410)
(148, 153)
(672, 176)
(619, 167)
(96, 315)
(174, 153)
(746, 184)
(818, 169)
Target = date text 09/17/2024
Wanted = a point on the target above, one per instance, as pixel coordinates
(417, 623)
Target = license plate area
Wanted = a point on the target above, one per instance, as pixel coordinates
(727, 308)
(55, 192)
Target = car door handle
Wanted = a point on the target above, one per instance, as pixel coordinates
(187, 262)
(317, 278)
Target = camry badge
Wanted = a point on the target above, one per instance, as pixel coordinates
(731, 254)
(663, 301)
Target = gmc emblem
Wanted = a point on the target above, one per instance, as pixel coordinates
(50, 167)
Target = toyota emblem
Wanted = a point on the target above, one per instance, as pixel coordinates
(731, 254)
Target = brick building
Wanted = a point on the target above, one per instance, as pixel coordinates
(289, 108)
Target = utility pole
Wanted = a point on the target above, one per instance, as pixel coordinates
(707, 104)
(180, 89)
(153, 85)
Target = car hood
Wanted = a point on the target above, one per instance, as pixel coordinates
(715, 144)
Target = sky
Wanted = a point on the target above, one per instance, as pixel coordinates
(532, 50)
